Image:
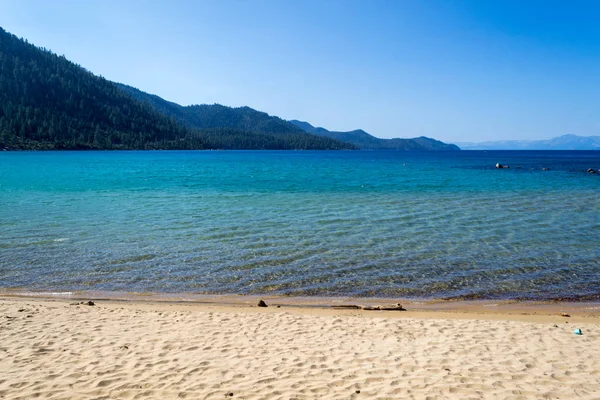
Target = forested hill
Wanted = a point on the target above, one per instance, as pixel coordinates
(363, 140)
(234, 124)
(48, 102)
(215, 116)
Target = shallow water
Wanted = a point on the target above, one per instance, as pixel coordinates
(362, 223)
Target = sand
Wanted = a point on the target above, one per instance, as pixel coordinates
(51, 349)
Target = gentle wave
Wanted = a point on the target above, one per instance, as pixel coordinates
(302, 223)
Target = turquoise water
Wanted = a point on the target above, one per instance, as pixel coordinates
(361, 223)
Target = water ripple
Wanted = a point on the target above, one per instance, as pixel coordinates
(352, 223)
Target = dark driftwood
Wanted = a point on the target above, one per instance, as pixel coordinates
(348, 307)
(397, 307)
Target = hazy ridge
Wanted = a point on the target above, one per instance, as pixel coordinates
(564, 142)
(364, 140)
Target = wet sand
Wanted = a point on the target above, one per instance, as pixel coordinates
(226, 347)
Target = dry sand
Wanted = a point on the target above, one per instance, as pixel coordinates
(114, 350)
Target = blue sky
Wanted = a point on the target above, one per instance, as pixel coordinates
(453, 70)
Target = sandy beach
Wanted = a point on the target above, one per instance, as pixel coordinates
(59, 349)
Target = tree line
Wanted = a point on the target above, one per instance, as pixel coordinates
(49, 102)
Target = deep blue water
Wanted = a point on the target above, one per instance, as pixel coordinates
(362, 223)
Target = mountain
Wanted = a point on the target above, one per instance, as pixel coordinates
(228, 125)
(48, 102)
(363, 140)
(215, 116)
(565, 142)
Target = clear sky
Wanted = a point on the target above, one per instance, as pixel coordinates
(449, 69)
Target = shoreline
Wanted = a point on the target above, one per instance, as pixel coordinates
(420, 308)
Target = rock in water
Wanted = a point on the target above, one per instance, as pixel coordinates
(261, 303)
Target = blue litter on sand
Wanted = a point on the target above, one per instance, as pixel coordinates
(577, 331)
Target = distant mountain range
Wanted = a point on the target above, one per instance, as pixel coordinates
(237, 128)
(565, 142)
(49, 102)
(363, 140)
